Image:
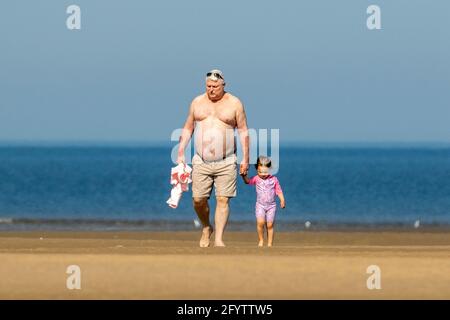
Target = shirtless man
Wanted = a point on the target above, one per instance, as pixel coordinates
(215, 115)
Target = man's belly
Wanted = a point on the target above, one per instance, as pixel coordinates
(214, 140)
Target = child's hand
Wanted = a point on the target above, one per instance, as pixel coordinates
(282, 204)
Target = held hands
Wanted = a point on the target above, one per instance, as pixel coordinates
(243, 169)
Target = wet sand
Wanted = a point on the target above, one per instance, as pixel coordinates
(170, 265)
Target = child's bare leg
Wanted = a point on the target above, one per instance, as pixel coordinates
(270, 221)
(269, 233)
(260, 228)
(260, 222)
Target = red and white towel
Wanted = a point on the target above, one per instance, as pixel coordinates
(180, 177)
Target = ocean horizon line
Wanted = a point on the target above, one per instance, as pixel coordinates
(171, 144)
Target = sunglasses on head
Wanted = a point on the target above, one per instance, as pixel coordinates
(215, 74)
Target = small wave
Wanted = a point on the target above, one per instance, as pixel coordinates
(6, 220)
(83, 221)
(93, 224)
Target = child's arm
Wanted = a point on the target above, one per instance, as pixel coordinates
(246, 179)
(282, 201)
(280, 194)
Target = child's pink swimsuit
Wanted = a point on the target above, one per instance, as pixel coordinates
(266, 189)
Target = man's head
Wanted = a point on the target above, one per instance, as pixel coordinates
(215, 85)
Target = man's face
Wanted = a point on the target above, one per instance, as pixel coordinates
(214, 89)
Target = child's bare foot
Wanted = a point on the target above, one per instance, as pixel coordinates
(269, 244)
(204, 240)
(261, 243)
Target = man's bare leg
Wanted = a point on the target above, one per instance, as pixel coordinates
(221, 219)
(201, 207)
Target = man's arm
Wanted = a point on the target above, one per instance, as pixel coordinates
(241, 121)
(186, 134)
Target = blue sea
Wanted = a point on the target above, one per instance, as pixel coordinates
(126, 188)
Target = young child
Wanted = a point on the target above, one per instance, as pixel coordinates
(267, 186)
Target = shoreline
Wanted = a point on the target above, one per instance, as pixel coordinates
(180, 225)
(150, 233)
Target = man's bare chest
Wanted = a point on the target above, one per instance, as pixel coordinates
(222, 112)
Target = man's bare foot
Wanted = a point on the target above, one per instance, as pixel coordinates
(219, 244)
(206, 234)
(261, 243)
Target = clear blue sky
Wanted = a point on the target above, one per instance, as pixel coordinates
(310, 68)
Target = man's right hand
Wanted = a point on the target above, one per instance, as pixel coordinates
(181, 159)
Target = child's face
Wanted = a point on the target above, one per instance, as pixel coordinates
(263, 172)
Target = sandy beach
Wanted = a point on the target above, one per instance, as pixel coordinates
(169, 265)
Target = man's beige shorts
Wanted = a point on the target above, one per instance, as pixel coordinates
(222, 174)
